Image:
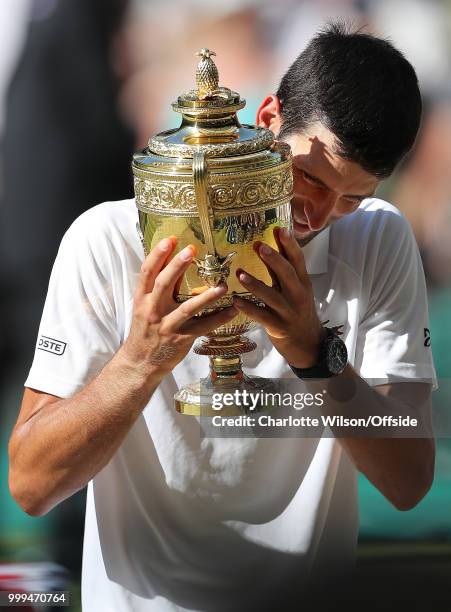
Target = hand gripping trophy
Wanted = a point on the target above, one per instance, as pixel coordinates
(219, 185)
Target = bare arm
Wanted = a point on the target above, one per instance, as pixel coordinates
(58, 445)
(401, 468)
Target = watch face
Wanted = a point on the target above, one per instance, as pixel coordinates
(337, 355)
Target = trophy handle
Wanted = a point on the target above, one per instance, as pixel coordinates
(200, 174)
(212, 268)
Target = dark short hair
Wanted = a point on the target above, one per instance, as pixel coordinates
(359, 87)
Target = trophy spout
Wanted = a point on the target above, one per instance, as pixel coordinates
(214, 269)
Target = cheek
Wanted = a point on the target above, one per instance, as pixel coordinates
(343, 208)
(301, 187)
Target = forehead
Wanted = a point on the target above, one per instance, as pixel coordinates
(314, 152)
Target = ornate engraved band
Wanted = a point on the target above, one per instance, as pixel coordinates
(247, 193)
(198, 111)
(222, 302)
(227, 193)
(263, 140)
(236, 345)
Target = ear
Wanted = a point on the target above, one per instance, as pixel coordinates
(269, 114)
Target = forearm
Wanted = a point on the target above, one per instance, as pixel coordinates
(62, 446)
(59, 445)
(400, 467)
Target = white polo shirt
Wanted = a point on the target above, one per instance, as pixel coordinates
(176, 522)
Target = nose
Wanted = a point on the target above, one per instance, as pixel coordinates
(319, 209)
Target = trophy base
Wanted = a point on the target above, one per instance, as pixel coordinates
(248, 394)
(245, 394)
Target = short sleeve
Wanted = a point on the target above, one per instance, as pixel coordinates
(393, 341)
(78, 333)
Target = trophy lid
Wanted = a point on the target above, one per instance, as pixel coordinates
(209, 120)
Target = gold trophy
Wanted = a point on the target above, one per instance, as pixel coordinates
(219, 185)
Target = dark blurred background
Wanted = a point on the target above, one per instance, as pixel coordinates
(84, 83)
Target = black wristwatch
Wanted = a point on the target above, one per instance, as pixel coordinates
(332, 360)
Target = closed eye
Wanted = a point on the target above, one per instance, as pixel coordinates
(310, 179)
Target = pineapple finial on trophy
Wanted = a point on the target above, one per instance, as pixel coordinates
(207, 76)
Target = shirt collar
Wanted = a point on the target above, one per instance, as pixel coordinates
(316, 253)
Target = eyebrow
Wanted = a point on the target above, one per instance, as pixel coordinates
(347, 195)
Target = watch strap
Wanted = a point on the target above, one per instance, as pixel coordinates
(321, 369)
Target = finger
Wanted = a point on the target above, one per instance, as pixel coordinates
(166, 280)
(269, 295)
(280, 246)
(177, 286)
(293, 253)
(282, 268)
(195, 305)
(180, 279)
(257, 313)
(208, 323)
(274, 281)
(174, 241)
(153, 264)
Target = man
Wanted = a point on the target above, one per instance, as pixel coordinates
(175, 522)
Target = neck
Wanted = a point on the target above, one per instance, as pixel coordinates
(304, 241)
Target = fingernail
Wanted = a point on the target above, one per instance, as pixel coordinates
(186, 254)
(244, 278)
(284, 233)
(165, 244)
(265, 249)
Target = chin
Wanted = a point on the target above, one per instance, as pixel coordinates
(301, 231)
(304, 237)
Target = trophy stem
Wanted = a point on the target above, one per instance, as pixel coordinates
(226, 367)
(224, 353)
(226, 376)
